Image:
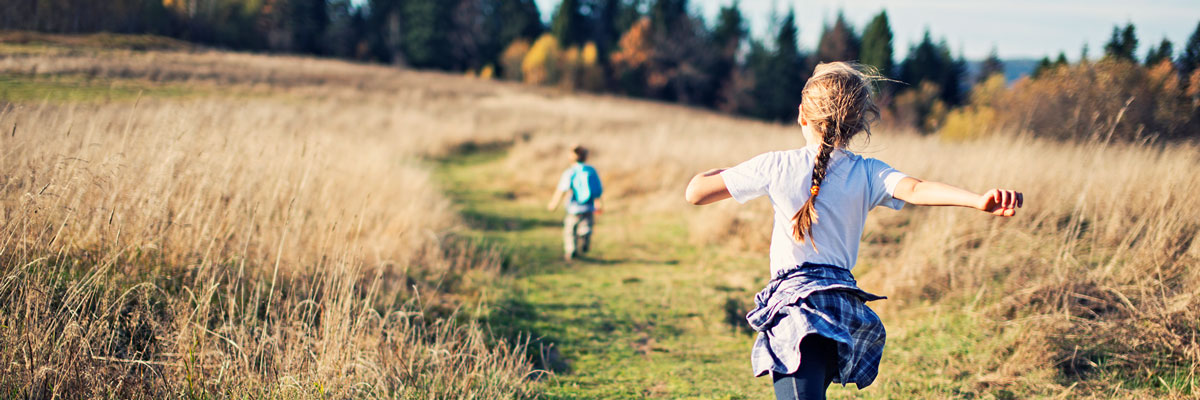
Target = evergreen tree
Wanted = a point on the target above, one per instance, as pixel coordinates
(345, 29)
(570, 26)
(1164, 51)
(667, 14)
(1042, 67)
(308, 20)
(930, 62)
(519, 19)
(838, 43)
(1123, 43)
(606, 26)
(877, 45)
(727, 37)
(424, 25)
(1189, 58)
(990, 66)
(1061, 60)
(474, 37)
(780, 75)
(953, 92)
(629, 12)
(682, 57)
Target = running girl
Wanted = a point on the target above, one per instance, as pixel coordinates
(812, 321)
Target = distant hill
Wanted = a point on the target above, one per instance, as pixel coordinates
(1013, 69)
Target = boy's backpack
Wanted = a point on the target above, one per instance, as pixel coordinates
(585, 183)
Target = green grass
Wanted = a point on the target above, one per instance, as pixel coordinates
(80, 88)
(641, 318)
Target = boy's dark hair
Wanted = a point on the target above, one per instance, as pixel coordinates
(581, 153)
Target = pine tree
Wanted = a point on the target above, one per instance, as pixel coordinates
(570, 26)
(1042, 67)
(930, 62)
(424, 27)
(1164, 51)
(877, 45)
(1189, 58)
(1123, 43)
(519, 19)
(780, 75)
(838, 43)
(667, 14)
(727, 37)
(308, 20)
(629, 12)
(990, 66)
(1061, 60)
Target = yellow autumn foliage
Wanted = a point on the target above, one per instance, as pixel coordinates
(540, 65)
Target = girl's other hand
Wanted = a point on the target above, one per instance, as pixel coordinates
(1001, 202)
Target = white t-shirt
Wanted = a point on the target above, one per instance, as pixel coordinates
(853, 186)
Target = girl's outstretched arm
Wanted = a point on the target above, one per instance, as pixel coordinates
(706, 188)
(999, 202)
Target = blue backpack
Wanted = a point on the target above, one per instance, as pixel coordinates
(585, 183)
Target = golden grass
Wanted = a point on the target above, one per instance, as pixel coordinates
(287, 244)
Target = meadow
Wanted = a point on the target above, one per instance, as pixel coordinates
(193, 223)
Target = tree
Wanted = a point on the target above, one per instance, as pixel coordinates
(838, 43)
(424, 25)
(630, 61)
(666, 14)
(1189, 58)
(1042, 66)
(727, 38)
(520, 20)
(474, 36)
(930, 62)
(877, 45)
(1123, 43)
(308, 20)
(1164, 51)
(570, 26)
(779, 75)
(1061, 60)
(680, 65)
(990, 66)
(628, 13)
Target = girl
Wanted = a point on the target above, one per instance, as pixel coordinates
(812, 321)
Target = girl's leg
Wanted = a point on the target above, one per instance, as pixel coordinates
(818, 363)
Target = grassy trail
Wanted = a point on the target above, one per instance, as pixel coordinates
(643, 317)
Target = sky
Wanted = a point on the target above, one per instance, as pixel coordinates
(1017, 28)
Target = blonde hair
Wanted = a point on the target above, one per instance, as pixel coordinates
(837, 102)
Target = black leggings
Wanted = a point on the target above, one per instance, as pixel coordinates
(818, 363)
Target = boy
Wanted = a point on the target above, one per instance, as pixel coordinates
(582, 183)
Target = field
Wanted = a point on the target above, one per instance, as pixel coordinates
(191, 223)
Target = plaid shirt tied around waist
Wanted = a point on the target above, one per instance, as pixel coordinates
(823, 300)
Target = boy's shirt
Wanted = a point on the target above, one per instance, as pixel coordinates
(564, 184)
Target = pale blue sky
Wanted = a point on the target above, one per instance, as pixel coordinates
(1018, 28)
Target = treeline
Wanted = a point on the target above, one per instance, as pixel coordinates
(644, 48)
(1118, 97)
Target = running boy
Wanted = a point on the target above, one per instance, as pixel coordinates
(812, 321)
(581, 182)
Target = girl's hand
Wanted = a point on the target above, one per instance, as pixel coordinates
(1001, 202)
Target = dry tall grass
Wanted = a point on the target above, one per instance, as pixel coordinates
(281, 244)
(271, 243)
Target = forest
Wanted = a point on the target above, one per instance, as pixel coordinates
(664, 50)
